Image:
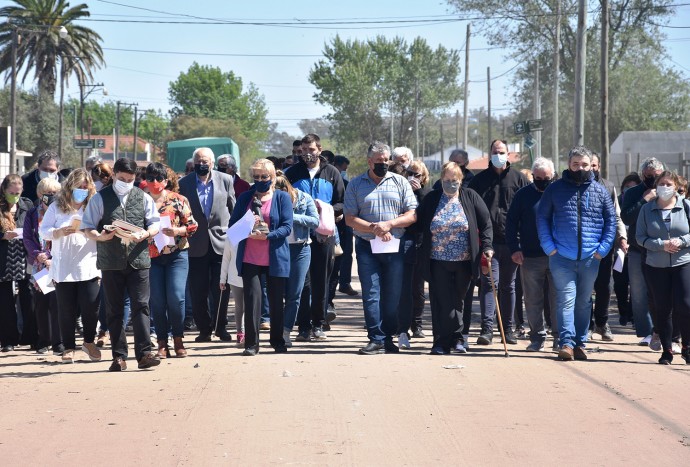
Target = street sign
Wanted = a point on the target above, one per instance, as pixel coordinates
(534, 125)
(519, 128)
(529, 141)
(100, 143)
(83, 143)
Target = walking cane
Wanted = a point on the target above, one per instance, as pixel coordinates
(498, 310)
(220, 301)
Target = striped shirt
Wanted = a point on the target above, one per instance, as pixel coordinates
(386, 201)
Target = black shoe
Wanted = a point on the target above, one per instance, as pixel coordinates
(7, 348)
(149, 360)
(347, 290)
(373, 348)
(510, 338)
(280, 349)
(58, 350)
(331, 315)
(438, 350)
(303, 336)
(326, 327)
(520, 332)
(485, 338)
(203, 337)
(250, 351)
(43, 350)
(224, 335)
(685, 355)
(666, 358)
(189, 325)
(119, 364)
(418, 333)
(390, 347)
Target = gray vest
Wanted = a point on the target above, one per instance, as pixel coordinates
(113, 255)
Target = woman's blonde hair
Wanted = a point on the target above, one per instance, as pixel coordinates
(283, 184)
(7, 222)
(173, 184)
(74, 180)
(47, 184)
(419, 167)
(452, 167)
(267, 165)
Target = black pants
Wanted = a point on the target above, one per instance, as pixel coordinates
(448, 286)
(602, 290)
(519, 305)
(29, 334)
(46, 309)
(204, 277)
(671, 291)
(467, 308)
(73, 297)
(412, 300)
(275, 287)
(9, 333)
(136, 283)
(314, 298)
(621, 284)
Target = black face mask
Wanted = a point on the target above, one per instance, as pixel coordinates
(542, 184)
(649, 182)
(580, 176)
(201, 169)
(596, 175)
(47, 199)
(380, 169)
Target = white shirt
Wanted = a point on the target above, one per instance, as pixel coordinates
(74, 256)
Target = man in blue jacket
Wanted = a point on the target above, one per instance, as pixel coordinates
(576, 222)
(523, 241)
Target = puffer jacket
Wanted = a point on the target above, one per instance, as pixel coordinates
(578, 220)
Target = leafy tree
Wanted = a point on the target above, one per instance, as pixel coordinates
(317, 126)
(368, 83)
(279, 144)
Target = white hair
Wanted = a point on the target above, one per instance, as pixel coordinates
(403, 151)
(197, 150)
(190, 161)
(651, 162)
(230, 158)
(542, 163)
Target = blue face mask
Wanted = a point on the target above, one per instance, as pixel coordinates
(263, 186)
(499, 160)
(79, 194)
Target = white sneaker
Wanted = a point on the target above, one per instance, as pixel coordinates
(460, 348)
(655, 343)
(675, 348)
(286, 338)
(466, 339)
(646, 341)
(403, 341)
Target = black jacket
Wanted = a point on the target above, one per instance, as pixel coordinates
(632, 204)
(480, 229)
(497, 191)
(30, 181)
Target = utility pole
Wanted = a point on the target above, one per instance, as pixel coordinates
(465, 118)
(441, 144)
(117, 125)
(537, 109)
(604, 150)
(557, 74)
(135, 133)
(416, 116)
(457, 128)
(488, 92)
(392, 129)
(580, 74)
(13, 104)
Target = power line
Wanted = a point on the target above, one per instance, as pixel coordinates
(173, 52)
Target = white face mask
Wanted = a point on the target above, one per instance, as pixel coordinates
(499, 160)
(99, 185)
(122, 188)
(52, 175)
(665, 192)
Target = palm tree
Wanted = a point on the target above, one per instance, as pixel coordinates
(41, 48)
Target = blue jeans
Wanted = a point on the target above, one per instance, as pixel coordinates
(639, 301)
(504, 271)
(168, 277)
(300, 257)
(381, 278)
(574, 283)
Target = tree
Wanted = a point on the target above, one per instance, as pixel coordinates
(209, 92)
(279, 144)
(370, 83)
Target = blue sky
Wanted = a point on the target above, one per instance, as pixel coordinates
(144, 77)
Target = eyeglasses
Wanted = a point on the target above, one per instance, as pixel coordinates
(413, 174)
(261, 177)
(98, 174)
(151, 178)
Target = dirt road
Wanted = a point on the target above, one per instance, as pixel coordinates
(322, 403)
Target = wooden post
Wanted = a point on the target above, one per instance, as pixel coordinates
(580, 75)
(604, 91)
(465, 118)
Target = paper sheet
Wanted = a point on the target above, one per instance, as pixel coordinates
(45, 283)
(20, 233)
(241, 229)
(161, 240)
(618, 262)
(379, 246)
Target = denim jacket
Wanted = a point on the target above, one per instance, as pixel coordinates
(651, 233)
(305, 218)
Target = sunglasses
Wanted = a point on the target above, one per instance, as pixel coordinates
(151, 178)
(261, 177)
(98, 174)
(414, 174)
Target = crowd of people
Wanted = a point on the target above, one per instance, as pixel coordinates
(90, 250)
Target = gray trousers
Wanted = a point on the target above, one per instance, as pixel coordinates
(535, 276)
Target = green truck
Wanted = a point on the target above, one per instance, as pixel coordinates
(178, 152)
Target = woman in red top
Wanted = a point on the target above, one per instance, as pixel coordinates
(169, 261)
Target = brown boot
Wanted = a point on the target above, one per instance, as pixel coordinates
(179, 347)
(163, 349)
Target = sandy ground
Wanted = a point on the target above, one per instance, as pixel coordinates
(322, 403)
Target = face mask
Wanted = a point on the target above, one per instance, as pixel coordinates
(99, 185)
(596, 175)
(542, 184)
(405, 166)
(201, 169)
(43, 175)
(263, 186)
(499, 160)
(380, 169)
(343, 174)
(450, 187)
(310, 158)
(665, 192)
(156, 187)
(649, 182)
(12, 199)
(580, 176)
(122, 188)
(47, 199)
(79, 194)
